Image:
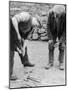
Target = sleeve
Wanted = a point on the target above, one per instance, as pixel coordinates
(48, 29)
(15, 23)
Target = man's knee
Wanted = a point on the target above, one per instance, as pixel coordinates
(62, 47)
(51, 45)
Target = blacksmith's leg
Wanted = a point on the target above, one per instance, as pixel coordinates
(12, 77)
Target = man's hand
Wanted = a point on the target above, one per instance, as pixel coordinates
(21, 50)
(19, 37)
(50, 42)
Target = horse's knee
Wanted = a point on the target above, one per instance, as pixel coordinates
(51, 45)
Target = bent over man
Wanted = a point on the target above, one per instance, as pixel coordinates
(20, 27)
(56, 27)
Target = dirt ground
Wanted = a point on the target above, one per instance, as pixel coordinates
(37, 75)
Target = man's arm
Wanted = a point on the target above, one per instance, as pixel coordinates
(15, 23)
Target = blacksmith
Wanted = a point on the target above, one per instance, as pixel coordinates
(20, 27)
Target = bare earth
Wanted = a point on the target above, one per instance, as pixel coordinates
(37, 75)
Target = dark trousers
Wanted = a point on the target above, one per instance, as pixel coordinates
(14, 43)
(56, 29)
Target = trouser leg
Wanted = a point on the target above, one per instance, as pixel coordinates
(51, 54)
(11, 62)
(62, 42)
(61, 55)
(12, 77)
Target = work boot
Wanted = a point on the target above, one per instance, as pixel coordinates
(25, 60)
(61, 66)
(49, 65)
